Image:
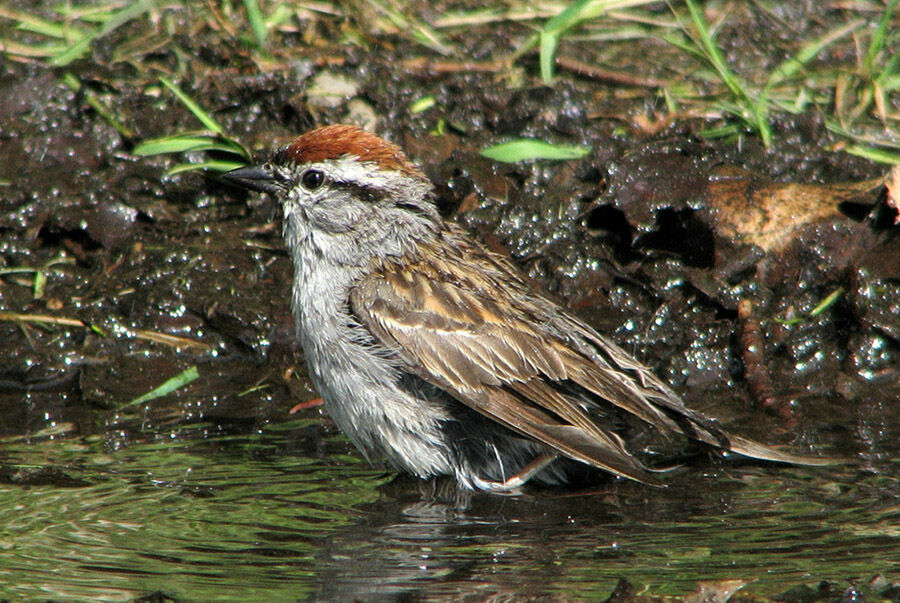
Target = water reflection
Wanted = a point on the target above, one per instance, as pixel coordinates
(279, 514)
(556, 544)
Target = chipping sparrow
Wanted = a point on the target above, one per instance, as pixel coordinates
(432, 351)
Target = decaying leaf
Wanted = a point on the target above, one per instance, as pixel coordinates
(893, 192)
(748, 209)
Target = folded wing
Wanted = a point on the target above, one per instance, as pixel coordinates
(485, 338)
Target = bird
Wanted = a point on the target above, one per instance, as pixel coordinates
(436, 354)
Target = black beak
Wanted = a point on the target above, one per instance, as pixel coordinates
(255, 178)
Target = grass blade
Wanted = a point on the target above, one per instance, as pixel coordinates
(757, 114)
(32, 23)
(178, 381)
(556, 26)
(205, 118)
(529, 148)
(874, 154)
(792, 65)
(189, 141)
(826, 303)
(879, 36)
(116, 20)
(257, 22)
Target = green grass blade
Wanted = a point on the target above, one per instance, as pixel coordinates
(879, 36)
(529, 148)
(418, 30)
(72, 82)
(792, 65)
(826, 303)
(116, 20)
(257, 22)
(551, 32)
(423, 104)
(711, 50)
(31, 50)
(757, 109)
(74, 51)
(548, 44)
(34, 24)
(723, 132)
(874, 154)
(40, 284)
(17, 270)
(571, 16)
(205, 118)
(179, 144)
(178, 381)
(192, 141)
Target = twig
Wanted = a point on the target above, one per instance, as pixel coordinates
(428, 66)
(754, 357)
(606, 75)
(172, 340)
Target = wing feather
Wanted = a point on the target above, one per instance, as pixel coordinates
(485, 338)
(498, 364)
(605, 450)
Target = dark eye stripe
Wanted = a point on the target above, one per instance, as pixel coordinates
(366, 193)
(312, 179)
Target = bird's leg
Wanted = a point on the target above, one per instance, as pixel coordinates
(526, 473)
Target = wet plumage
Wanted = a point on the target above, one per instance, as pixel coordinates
(436, 353)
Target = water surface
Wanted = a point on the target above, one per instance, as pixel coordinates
(245, 515)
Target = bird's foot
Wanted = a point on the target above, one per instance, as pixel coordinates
(512, 484)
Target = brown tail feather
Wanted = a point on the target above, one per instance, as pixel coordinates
(756, 450)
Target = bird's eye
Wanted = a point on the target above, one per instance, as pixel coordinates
(312, 179)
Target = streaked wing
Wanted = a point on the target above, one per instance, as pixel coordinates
(468, 322)
(458, 329)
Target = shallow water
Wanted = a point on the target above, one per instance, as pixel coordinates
(233, 516)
